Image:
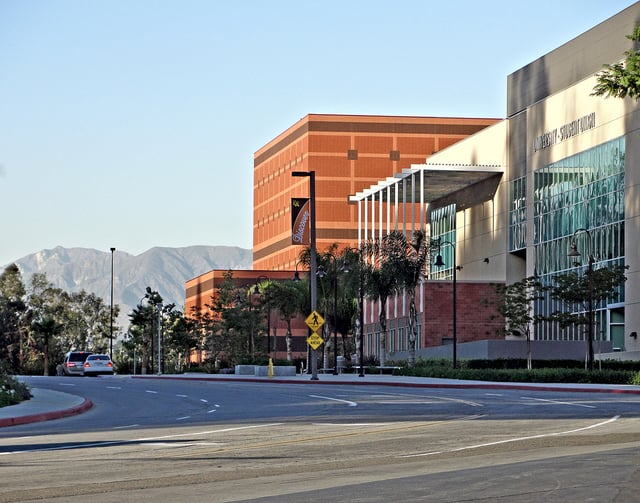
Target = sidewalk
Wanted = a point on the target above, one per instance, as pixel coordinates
(43, 406)
(49, 404)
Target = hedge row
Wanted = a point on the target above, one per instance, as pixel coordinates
(507, 371)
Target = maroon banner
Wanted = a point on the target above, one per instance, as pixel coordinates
(300, 221)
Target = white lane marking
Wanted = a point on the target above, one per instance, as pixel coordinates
(65, 384)
(183, 396)
(182, 418)
(348, 402)
(185, 444)
(120, 442)
(153, 392)
(210, 411)
(350, 424)
(114, 387)
(457, 400)
(418, 399)
(517, 439)
(209, 432)
(204, 401)
(557, 402)
(466, 418)
(127, 426)
(493, 394)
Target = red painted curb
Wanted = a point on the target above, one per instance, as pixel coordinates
(47, 416)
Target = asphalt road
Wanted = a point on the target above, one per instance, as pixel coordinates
(164, 440)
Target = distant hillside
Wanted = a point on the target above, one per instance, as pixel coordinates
(163, 269)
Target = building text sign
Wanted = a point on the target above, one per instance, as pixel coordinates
(564, 132)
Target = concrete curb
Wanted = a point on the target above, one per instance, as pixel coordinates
(47, 416)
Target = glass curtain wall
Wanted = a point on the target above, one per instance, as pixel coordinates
(584, 191)
(518, 214)
(443, 227)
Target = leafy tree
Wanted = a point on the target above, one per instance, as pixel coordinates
(620, 80)
(180, 337)
(581, 294)
(407, 258)
(516, 304)
(143, 327)
(12, 315)
(231, 322)
(45, 318)
(46, 328)
(288, 299)
(87, 322)
(348, 301)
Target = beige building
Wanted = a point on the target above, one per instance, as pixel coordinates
(561, 169)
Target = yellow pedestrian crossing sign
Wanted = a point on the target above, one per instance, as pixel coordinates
(314, 340)
(314, 321)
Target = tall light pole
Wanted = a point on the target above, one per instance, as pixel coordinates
(439, 263)
(257, 290)
(312, 250)
(111, 320)
(347, 268)
(361, 312)
(573, 252)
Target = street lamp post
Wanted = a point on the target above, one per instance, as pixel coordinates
(361, 316)
(347, 268)
(312, 249)
(257, 290)
(439, 263)
(159, 306)
(573, 252)
(111, 319)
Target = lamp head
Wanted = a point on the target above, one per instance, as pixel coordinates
(320, 272)
(573, 250)
(439, 262)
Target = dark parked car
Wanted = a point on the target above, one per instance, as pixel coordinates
(98, 364)
(73, 363)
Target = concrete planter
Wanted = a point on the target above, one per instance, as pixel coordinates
(245, 370)
(263, 370)
(278, 370)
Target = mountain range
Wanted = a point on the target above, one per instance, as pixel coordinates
(163, 269)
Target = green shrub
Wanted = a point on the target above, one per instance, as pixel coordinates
(12, 391)
(505, 371)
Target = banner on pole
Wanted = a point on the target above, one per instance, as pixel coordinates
(300, 221)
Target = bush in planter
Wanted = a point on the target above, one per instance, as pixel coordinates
(12, 391)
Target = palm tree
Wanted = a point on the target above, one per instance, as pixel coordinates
(289, 300)
(47, 328)
(382, 282)
(407, 260)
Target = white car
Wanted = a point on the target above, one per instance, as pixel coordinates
(98, 364)
(73, 364)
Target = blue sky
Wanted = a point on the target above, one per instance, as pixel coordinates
(133, 123)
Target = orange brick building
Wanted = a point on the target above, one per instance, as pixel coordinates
(348, 154)
(201, 289)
